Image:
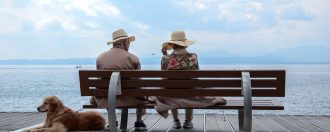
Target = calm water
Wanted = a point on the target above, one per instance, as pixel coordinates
(22, 87)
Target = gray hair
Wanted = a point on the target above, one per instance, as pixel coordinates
(174, 46)
(119, 44)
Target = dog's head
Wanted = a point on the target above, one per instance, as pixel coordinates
(50, 103)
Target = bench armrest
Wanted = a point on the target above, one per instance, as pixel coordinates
(246, 123)
(114, 90)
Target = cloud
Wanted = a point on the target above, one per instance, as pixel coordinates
(249, 28)
(237, 16)
(9, 23)
(42, 13)
(294, 12)
(92, 25)
(194, 5)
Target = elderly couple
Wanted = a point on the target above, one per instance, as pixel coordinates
(118, 58)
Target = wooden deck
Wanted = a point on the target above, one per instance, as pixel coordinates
(202, 122)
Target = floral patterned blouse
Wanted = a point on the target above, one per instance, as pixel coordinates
(181, 60)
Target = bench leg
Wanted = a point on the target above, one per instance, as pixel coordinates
(112, 120)
(123, 121)
(241, 120)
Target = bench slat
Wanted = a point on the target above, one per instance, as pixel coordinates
(231, 104)
(169, 83)
(256, 92)
(164, 74)
(102, 83)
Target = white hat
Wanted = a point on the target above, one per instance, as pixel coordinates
(119, 35)
(178, 38)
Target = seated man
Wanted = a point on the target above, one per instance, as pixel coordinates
(118, 58)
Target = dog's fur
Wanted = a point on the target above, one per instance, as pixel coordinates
(60, 118)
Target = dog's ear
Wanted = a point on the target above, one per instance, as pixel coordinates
(53, 102)
(51, 99)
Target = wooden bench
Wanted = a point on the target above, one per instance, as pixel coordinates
(227, 83)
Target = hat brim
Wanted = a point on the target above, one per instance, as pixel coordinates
(185, 43)
(130, 38)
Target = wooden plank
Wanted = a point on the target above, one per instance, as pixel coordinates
(4, 115)
(257, 126)
(211, 123)
(191, 92)
(320, 119)
(270, 124)
(151, 121)
(267, 73)
(165, 74)
(156, 91)
(163, 124)
(179, 83)
(131, 122)
(313, 122)
(8, 116)
(233, 120)
(284, 123)
(223, 123)
(198, 122)
(302, 124)
(326, 117)
(171, 92)
(131, 119)
(16, 118)
(36, 119)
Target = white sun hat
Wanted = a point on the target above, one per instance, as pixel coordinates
(178, 38)
(119, 35)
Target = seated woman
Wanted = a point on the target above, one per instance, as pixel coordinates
(181, 59)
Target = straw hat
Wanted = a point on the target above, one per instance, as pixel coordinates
(119, 35)
(178, 38)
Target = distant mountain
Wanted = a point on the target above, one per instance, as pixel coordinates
(296, 55)
(68, 61)
(156, 61)
(307, 54)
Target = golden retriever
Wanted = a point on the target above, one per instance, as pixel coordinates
(60, 118)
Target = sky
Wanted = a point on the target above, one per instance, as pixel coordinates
(49, 29)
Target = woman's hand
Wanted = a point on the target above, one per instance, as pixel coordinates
(164, 51)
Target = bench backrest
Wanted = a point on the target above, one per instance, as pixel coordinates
(264, 83)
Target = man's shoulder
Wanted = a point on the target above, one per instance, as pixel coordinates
(103, 54)
(132, 55)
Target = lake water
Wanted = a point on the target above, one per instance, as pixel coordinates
(22, 87)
